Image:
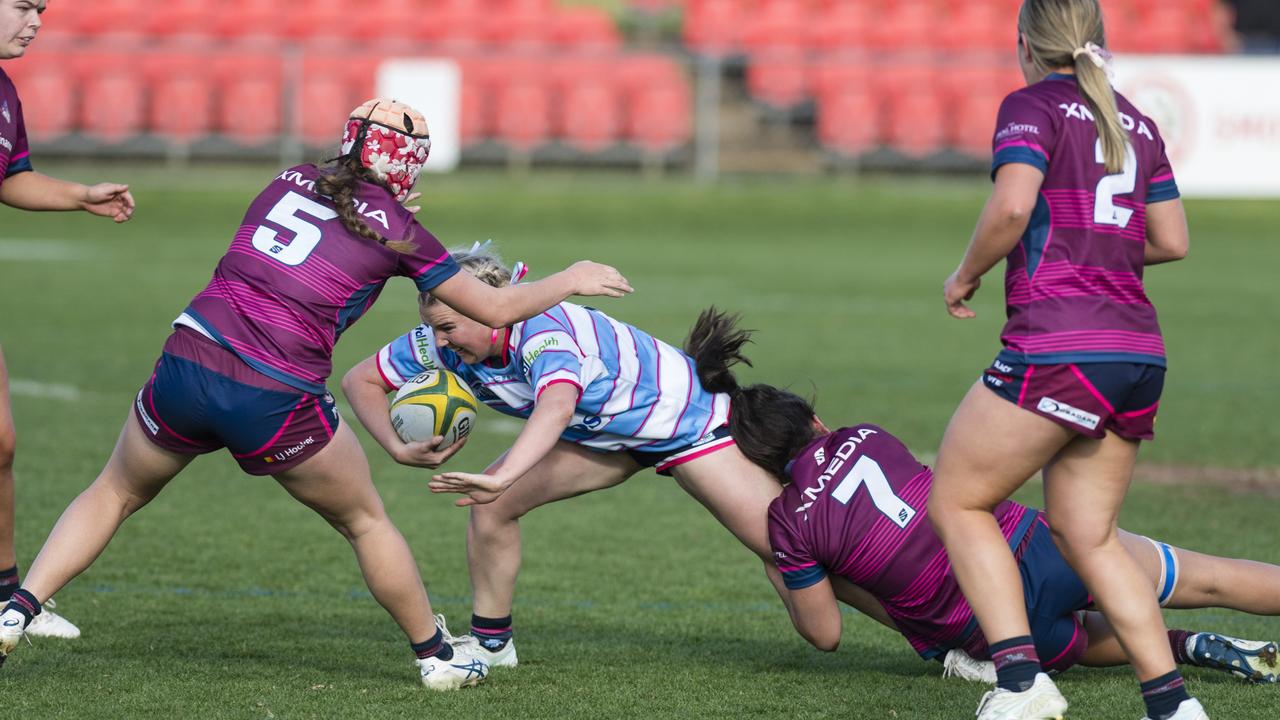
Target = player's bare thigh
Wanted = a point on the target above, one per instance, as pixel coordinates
(990, 449)
(336, 483)
(736, 491)
(566, 471)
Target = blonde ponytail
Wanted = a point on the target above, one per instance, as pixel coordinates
(1069, 33)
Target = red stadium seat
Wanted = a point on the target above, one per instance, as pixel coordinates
(660, 118)
(844, 26)
(778, 25)
(779, 78)
(638, 72)
(180, 17)
(915, 124)
(250, 19)
(181, 87)
(522, 107)
(848, 122)
(908, 25)
(331, 85)
(978, 26)
(250, 96)
(48, 91)
(112, 95)
(585, 29)
(107, 17)
(481, 76)
(519, 24)
(973, 123)
(590, 115)
(714, 27)
(836, 76)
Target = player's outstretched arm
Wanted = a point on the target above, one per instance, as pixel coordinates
(1167, 236)
(551, 415)
(367, 393)
(816, 614)
(34, 191)
(502, 307)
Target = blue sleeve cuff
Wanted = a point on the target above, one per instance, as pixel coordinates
(1023, 155)
(19, 166)
(1161, 191)
(803, 578)
(436, 275)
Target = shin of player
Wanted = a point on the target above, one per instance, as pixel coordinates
(246, 366)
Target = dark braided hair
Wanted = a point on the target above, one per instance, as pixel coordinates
(770, 425)
(338, 181)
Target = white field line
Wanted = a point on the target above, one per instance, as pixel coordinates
(37, 389)
(42, 251)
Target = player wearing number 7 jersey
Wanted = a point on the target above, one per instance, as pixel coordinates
(1084, 198)
(246, 367)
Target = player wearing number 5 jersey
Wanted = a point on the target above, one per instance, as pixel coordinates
(1084, 198)
(246, 367)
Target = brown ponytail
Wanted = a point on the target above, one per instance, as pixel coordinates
(770, 425)
(339, 182)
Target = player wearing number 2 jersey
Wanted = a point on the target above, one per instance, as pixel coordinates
(246, 366)
(1084, 198)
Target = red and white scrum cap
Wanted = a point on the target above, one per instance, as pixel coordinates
(390, 139)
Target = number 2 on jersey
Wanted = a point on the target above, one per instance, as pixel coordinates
(1105, 210)
(869, 473)
(290, 214)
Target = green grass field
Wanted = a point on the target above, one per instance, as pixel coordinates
(226, 599)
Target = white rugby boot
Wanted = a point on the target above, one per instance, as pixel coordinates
(460, 671)
(960, 664)
(49, 624)
(10, 632)
(1189, 710)
(1041, 701)
(504, 656)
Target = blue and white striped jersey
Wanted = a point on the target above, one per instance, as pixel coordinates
(636, 392)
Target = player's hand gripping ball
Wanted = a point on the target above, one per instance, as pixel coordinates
(434, 403)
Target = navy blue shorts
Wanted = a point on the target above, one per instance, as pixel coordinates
(203, 398)
(1053, 593)
(664, 460)
(1089, 398)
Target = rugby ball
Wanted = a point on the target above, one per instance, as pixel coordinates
(436, 402)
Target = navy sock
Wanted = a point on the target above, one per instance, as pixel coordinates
(1017, 663)
(493, 633)
(1178, 643)
(8, 583)
(433, 647)
(1163, 695)
(25, 603)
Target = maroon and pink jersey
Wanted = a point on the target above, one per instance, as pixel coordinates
(294, 277)
(856, 508)
(15, 157)
(1073, 286)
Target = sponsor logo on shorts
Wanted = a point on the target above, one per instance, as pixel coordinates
(1002, 367)
(11, 623)
(290, 452)
(1068, 413)
(146, 419)
(4, 143)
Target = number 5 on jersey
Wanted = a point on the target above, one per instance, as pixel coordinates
(290, 214)
(868, 472)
